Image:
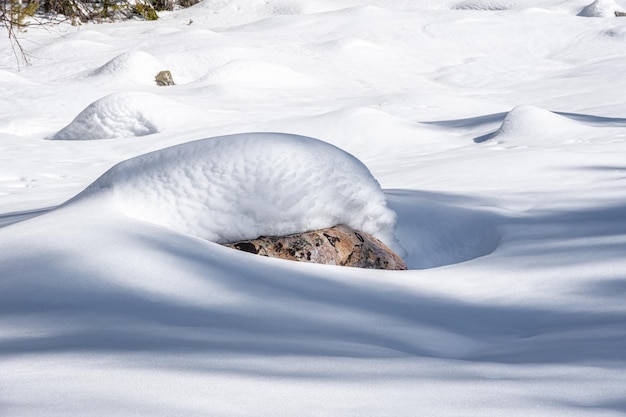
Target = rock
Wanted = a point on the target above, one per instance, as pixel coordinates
(164, 78)
(338, 245)
(620, 14)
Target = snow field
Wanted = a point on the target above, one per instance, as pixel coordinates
(496, 130)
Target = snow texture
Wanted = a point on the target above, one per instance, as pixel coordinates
(496, 130)
(249, 185)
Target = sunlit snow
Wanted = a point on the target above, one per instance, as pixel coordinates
(484, 140)
(244, 186)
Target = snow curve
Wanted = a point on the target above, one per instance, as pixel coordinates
(243, 186)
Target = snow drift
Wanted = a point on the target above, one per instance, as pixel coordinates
(243, 186)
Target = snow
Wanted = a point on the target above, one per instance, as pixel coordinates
(244, 186)
(126, 114)
(132, 66)
(255, 74)
(491, 133)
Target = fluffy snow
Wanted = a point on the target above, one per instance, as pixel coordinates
(132, 67)
(244, 186)
(496, 130)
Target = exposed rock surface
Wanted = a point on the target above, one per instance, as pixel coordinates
(164, 78)
(338, 245)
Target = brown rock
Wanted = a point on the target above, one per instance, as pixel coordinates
(164, 78)
(338, 245)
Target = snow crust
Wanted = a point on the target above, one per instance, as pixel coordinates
(244, 186)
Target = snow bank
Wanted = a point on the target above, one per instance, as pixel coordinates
(248, 185)
(126, 114)
(601, 8)
(134, 66)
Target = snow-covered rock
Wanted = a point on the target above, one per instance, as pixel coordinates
(527, 124)
(126, 114)
(601, 8)
(243, 186)
(135, 67)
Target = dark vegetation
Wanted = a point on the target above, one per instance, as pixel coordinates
(17, 15)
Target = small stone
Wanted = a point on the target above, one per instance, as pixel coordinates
(164, 78)
(338, 245)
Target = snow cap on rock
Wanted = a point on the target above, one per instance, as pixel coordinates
(601, 8)
(243, 186)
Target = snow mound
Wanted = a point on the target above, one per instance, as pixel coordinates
(125, 114)
(243, 186)
(618, 33)
(601, 8)
(295, 7)
(360, 130)
(258, 74)
(134, 66)
(532, 122)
